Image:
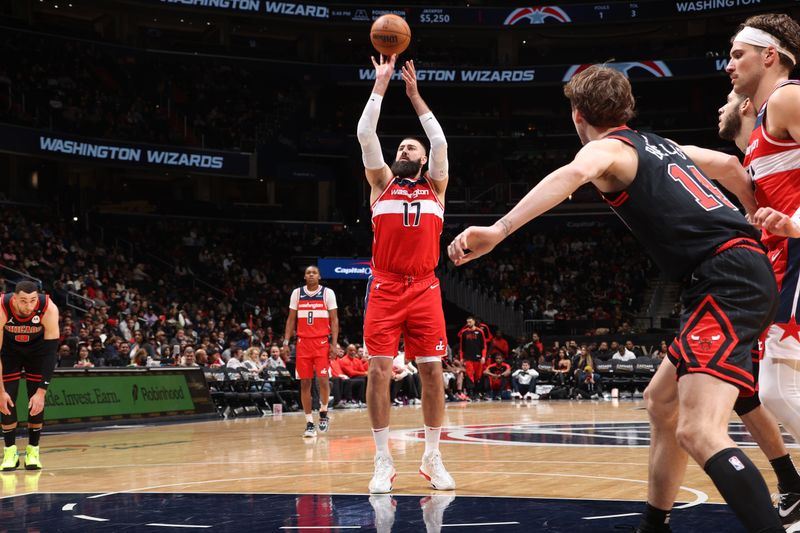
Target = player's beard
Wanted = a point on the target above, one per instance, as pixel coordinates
(730, 127)
(406, 169)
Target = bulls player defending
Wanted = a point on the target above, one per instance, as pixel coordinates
(695, 234)
(313, 310)
(28, 342)
(403, 294)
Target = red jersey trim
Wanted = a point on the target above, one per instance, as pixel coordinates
(433, 190)
(767, 137)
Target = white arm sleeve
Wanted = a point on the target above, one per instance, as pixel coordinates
(368, 138)
(438, 166)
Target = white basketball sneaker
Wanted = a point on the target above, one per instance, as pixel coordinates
(383, 478)
(433, 470)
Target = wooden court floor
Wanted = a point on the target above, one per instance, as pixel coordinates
(547, 449)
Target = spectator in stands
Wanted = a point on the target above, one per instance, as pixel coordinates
(498, 377)
(215, 359)
(562, 368)
(403, 381)
(235, 360)
(83, 358)
(623, 354)
(251, 359)
(65, 357)
(635, 349)
(523, 382)
(356, 370)
(341, 389)
(201, 357)
(587, 382)
(455, 387)
(499, 344)
(97, 355)
(603, 353)
(140, 358)
(275, 361)
(188, 359)
(661, 352)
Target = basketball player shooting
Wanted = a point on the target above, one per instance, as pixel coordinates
(403, 294)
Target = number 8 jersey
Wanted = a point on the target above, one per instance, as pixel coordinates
(312, 311)
(407, 223)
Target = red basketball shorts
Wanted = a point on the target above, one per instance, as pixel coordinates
(412, 307)
(312, 355)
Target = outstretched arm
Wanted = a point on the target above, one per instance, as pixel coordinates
(589, 164)
(438, 166)
(378, 173)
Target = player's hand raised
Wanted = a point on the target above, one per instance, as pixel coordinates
(474, 242)
(776, 222)
(385, 69)
(6, 403)
(410, 77)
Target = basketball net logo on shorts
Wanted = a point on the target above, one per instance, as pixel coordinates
(658, 69)
(537, 15)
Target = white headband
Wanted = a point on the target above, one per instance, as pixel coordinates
(761, 38)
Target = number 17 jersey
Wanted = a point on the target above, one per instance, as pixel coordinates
(407, 223)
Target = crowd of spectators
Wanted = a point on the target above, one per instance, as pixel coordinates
(597, 275)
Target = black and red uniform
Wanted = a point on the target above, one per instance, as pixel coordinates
(695, 234)
(25, 353)
(472, 348)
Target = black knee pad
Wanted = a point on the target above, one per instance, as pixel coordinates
(745, 404)
(36, 419)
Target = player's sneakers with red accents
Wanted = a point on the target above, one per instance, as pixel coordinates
(385, 473)
(434, 471)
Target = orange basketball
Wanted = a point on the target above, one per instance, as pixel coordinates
(390, 34)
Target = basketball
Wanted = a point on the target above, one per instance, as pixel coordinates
(390, 34)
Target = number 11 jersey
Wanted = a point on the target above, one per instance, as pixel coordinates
(678, 215)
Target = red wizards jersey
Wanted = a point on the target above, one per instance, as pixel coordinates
(313, 317)
(774, 165)
(407, 222)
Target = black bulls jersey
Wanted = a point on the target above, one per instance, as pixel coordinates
(23, 335)
(676, 212)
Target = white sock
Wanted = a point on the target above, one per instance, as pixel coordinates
(432, 439)
(381, 437)
(310, 418)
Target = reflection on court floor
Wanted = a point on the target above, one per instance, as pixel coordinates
(320, 513)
